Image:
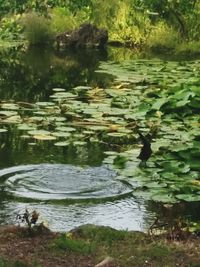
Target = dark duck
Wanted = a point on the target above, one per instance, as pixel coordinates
(146, 150)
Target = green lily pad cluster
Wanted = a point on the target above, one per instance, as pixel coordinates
(158, 97)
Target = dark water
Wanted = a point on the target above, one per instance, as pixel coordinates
(68, 186)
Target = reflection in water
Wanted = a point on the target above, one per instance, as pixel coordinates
(121, 214)
(31, 75)
(17, 151)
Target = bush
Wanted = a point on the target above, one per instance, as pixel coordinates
(37, 29)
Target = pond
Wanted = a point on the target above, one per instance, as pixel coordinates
(69, 137)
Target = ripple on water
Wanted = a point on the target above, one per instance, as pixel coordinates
(62, 182)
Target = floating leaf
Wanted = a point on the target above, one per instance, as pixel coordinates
(44, 137)
(3, 130)
(39, 132)
(61, 144)
(188, 197)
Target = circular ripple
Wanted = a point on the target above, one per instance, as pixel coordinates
(61, 182)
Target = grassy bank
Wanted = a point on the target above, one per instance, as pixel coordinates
(89, 245)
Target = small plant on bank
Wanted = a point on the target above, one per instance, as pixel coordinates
(29, 218)
(32, 222)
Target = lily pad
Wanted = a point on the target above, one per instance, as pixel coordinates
(44, 137)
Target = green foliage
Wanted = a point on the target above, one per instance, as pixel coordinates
(62, 19)
(37, 29)
(180, 14)
(10, 28)
(190, 48)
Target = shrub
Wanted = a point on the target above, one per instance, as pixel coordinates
(37, 29)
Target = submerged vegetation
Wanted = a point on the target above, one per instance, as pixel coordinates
(169, 25)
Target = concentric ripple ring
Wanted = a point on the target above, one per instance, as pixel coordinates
(61, 182)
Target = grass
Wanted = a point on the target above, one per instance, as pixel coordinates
(74, 245)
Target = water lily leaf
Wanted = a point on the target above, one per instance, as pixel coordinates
(98, 127)
(26, 127)
(164, 198)
(120, 161)
(159, 103)
(155, 185)
(36, 119)
(39, 132)
(10, 106)
(44, 137)
(13, 119)
(42, 113)
(82, 88)
(62, 95)
(65, 129)
(79, 143)
(58, 90)
(45, 104)
(195, 89)
(3, 130)
(24, 136)
(117, 134)
(8, 113)
(62, 144)
(189, 197)
(110, 153)
(61, 134)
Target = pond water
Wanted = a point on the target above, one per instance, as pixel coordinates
(70, 181)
